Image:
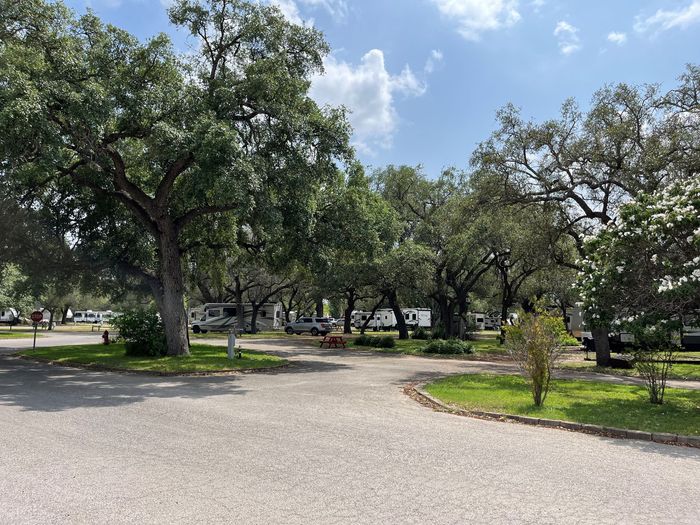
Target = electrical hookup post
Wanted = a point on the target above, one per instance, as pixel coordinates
(36, 318)
(231, 350)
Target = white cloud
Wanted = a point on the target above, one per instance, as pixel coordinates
(369, 91)
(338, 9)
(289, 10)
(476, 16)
(664, 20)
(617, 38)
(433, 61)
(567, 38)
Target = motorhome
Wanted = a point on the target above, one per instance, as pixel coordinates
(195, 314)
(384, 319)
(9, 316)
(492, 322)
(417, 317)
(222, 317)
(478, 320)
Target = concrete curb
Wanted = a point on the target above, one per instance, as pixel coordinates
(153, 373)
(416, 391)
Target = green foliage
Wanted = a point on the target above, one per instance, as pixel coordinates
(568, 340)
(142, 332)
(448, 346)
(420, 333)
(535, 344)
(643, 274)
(438, 331)
(592, 402)
(375, 342)
(654, 367)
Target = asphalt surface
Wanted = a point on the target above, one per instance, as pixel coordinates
(331, 439)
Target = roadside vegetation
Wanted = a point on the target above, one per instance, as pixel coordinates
(16, 335)
(680, 371)
(591, 402)
(203, 358)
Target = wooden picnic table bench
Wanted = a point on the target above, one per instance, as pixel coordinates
(333, 341)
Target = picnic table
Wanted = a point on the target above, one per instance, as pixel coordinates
(333, 341)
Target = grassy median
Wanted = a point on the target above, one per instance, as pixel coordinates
(203, 358)
(591, 402)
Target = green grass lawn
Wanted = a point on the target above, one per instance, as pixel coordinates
(17, 335)
(482, 347)
(203, 358)
(591, 402)
(678, 371)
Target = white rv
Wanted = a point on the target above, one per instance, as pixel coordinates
(384, 319)
(195, 314)
(222, 317)
(478, 319)
(417, 317)
(9, 316)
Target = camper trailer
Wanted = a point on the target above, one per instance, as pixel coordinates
(384, 319)
(417, 317)
(9, 316)
(223, 317)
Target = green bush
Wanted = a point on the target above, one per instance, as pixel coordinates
(142, 332)
(386, 342)
(438, 331)
(420, 333)
(569, 340)
(449, 346)
(375, 342)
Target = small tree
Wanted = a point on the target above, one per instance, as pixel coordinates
(535, 345)
(654, 367)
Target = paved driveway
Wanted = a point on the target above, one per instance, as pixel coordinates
(331, 439)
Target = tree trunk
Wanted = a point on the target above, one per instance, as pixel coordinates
(64, 314)
(445, 314)
(602, 346)
(400, 320)
(371, 317)
(319, 307)
(348, 312)
(240, 307)
(172, 297)
(254, 318)
(51, 318)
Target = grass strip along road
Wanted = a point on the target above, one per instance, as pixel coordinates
(590, 402)
(203, 358)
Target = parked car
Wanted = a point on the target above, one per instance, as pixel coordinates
(314, 325)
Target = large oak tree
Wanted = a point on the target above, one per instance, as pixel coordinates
(146, 155)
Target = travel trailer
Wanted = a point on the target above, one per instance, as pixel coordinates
(9, 316)
(222, 317)
(417, 317)
(384, 319)
(94, 316)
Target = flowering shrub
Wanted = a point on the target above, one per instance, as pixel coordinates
(643, 273)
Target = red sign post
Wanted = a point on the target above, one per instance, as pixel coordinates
(36, 318)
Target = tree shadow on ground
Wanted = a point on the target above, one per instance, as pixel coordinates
(50, 388)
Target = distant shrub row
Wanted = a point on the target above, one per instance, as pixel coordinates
(375, 342)
(448, 346)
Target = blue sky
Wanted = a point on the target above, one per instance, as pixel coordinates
(424, 78)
